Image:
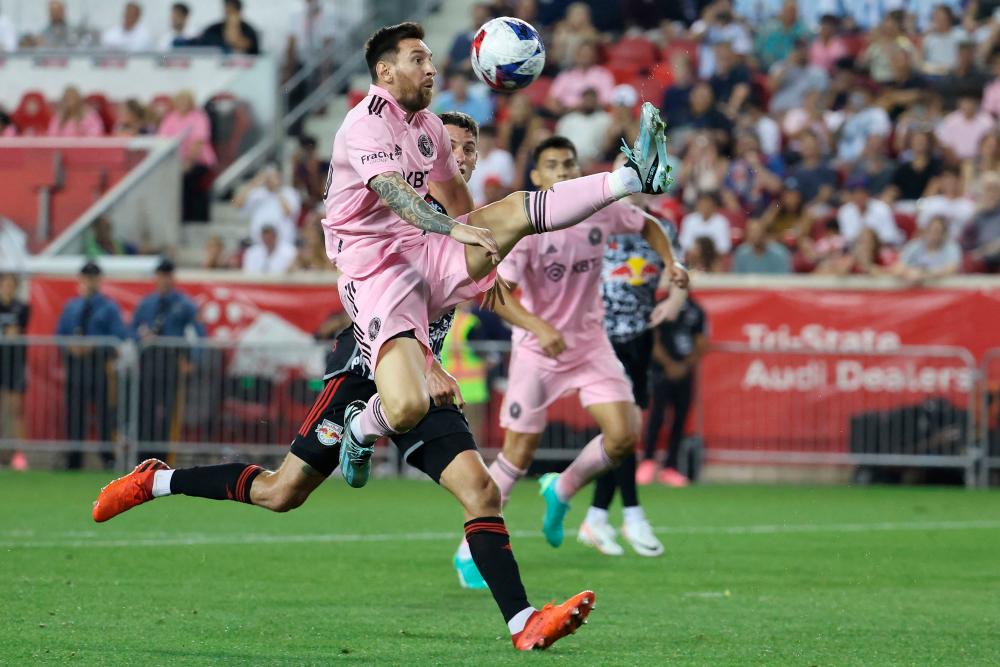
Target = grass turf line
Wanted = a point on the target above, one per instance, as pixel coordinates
(835, 597)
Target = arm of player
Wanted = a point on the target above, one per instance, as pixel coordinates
(400, 196)
(658, 241)
(512, 311)
(454, 195)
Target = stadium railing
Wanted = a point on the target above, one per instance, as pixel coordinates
(989, 420)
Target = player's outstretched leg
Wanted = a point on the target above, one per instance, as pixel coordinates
(570, 202)
(279, 491)
(489, 543)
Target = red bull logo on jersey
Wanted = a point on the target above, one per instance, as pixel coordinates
(328, 433)
(635, 271)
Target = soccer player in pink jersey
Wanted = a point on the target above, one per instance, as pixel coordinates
(560, 344)
(403, 263)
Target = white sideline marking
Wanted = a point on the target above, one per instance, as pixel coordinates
(71, 539)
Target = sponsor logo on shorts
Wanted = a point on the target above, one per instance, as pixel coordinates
(328, 433)
(425, 146)
(595, 237)
(555, 272)
(515, 410)
(374, 327)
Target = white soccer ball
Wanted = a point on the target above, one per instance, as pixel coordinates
(507, 54)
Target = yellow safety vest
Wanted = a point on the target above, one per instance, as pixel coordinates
(458, 359)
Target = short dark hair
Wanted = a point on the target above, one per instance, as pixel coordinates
(386, 40)
(235, 4)
(182, 7)
(462, 120)
(555, 141)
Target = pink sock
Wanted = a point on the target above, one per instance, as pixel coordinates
(505, 474)
(567, 203)
(372, 423)
(589, 463)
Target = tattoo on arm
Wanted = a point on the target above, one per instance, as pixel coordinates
(398, 195)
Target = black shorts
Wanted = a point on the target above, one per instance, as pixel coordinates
(12, 368)
(429, 447)
(636, 356)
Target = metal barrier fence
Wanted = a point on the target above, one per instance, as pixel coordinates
(908, 407)
(905, 407)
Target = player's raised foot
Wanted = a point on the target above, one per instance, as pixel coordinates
(646, 472)
(601, 536)
(670, 477)
(553, 622)
(355, 456)
(468, 574)
(555, 510)
(639, 534)
(126, 492)
(648, 156)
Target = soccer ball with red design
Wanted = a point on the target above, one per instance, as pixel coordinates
(507, 54)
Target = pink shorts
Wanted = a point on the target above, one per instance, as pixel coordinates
(599, 377)
(410, 293)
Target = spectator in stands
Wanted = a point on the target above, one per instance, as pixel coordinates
(961, 131)
(197, 155)
(705, 220)
(89, 367)
(814, 175)
(8, 35)
(312, 31)
(923, 116)
(567, 89)
(940, 45)
(811, 116)
(730, 81)
(133, 119)
(786, 217)
(991, 94)
(270, 255)
(131, 35)
(944, 199)
(493, 162)
(821, 247)
(58, 34)
(7, 126)
(885, 39)
(100, 241)
(703, 115)
(458, 55)
(269, 203)
(216, 256)
(863, 119)
(874, 166)
(172, 316)
(703, 256)
(570, 35)
(987, 159)
(861, 211)
(179, 35)
(793, 78)
(677, 96)
(522, 122)
(933, 255)
(623, 121)
(717, 26)
(232, 34)
(760, 254)
(766, 129)
(752, 179)
(587, 128)
(308, 172)
(74, 117)
(829, 46)
(311, 254)
(981, 236)
(702, 169)
(865, 257)
(919, 168)
(776, 41)
(459, 97)
(14, 316)
(904, 88)
(966, 78)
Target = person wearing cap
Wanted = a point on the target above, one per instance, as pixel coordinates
(860, 210)
(164, 314)
(89, 371)
(586, 127)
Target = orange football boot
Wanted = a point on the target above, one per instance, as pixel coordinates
(544, 628)
(126, 492)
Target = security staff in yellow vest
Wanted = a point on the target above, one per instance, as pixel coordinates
(469, 369)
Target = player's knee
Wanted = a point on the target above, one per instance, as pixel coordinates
(405, 412)
(482, 497)
(280, 498)
(618, 443)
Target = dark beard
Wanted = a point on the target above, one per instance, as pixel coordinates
(417, 101)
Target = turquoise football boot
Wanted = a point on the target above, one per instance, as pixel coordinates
(555, 510)
(355, 456)
(468, 573)
(649, 154)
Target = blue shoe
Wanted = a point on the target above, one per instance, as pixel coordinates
(355, 456)
(555, 510)
(649, 154)
(468, 573)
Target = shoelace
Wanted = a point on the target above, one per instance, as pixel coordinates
(358, 453)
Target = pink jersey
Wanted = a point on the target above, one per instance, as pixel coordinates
(559, 274)
(362, 233)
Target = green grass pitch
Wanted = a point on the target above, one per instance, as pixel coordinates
(752, 576)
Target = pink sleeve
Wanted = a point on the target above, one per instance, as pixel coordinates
(514, 265)
(367, 154)
(631, 220)
(445, 168)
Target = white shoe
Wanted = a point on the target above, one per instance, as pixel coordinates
(601, 536)
(640, 535)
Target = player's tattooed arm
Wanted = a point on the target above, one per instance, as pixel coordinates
(398, 195)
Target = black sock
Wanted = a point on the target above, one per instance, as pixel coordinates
(625, 476)
(229, 481)
(604, 490)
(489, 543)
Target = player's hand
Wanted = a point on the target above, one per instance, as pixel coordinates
(679, 275)
(665, 311)
(470, 235)
(443, 387)
(495, 294)
(549, 339)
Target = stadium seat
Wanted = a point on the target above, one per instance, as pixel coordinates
(231, 124)
(635, 54)
(33, 114)
(906, 222)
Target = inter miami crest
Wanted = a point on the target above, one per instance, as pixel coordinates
(595, 237)
(515, 410)
(555, 272)
(374, 327)
(425, 146)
